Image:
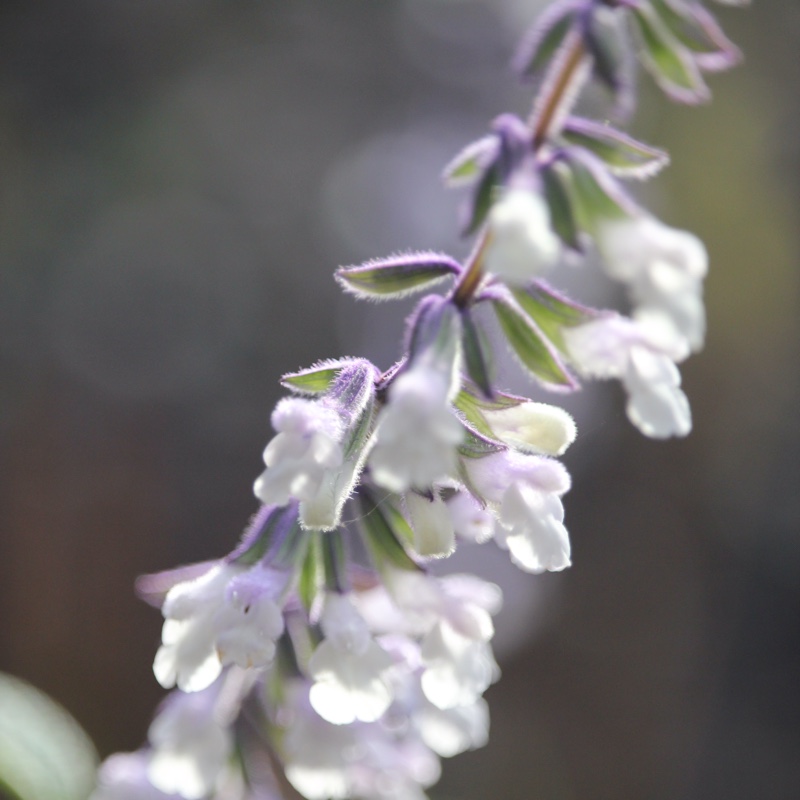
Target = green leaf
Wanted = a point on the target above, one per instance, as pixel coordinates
(334, 560)
(697, 30)
(310, 577)
(361, 431)
(623, 154)
(594, 194)
(604, 42)
(539, 47)
(476, 445)
(44, 753)
(379, 524)
(476, 354)
(314, 380)
(562, 217)
(531, 347)
(669, 62)
(470, 407)
(552, 312)
(397, 277)
(468, 165)
(482, 199)
(260, 535)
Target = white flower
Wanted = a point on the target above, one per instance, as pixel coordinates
(392, 767)
(187, 656)
(636, 354)
(417, 433)
(348, 667)
(521, 244)
(453, 616)
(523, 491)
(315, 751)
(123, 776)
(414, 602)
(364, 760)
(306, 451)
(190, 749)
(469, 519)
(227, 615)
(434, 536)
(451, 731)
(664, 269)
(533, 529)
(458, 668)
(657, 405)
(533, 427)
(251, 621)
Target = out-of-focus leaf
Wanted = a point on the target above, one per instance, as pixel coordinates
(477, 445)
(697, 30)
(535, 353)
(604, 41)
(334, 561)
(44, 753)
(476, 354)
(481, 200)
(383, 531)
(469, 164)
(562, 217)
(311, 573)
(595, 195)
(667, 60)
(543, 40)
(552, 311)
(624, 155)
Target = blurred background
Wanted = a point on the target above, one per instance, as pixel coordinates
(179, 181)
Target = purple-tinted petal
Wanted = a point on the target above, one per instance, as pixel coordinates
(153, 588)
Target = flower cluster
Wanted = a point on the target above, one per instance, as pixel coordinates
(323, 652)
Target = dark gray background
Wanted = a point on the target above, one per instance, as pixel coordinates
(179, 179)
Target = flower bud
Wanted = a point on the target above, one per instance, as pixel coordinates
(533, 427)
(522, 244)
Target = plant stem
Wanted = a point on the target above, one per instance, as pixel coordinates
(548, 109)
(473, 274)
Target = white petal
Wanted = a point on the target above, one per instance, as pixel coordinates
(417, 433)
(318, 783)
(190, 750)
(458, 669)
(343, 625)
(538, 540)
(190, 660)
(470, 521)
(348, 687)
(452, 731)
(522, 244)
(434, 536)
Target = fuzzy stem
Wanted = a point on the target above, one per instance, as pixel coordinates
(548, 109)
(473, 274)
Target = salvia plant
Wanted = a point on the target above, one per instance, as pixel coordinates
(322, 658)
